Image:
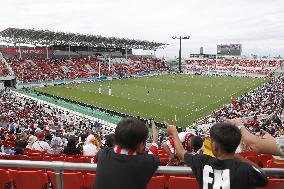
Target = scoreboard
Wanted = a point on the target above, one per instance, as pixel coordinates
(229, 50)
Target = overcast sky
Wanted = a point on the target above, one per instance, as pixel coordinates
(257, 24)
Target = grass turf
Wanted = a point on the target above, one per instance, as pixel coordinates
(161, 97)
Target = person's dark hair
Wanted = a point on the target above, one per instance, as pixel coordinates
(48, 137)
(196, 143)
(227, 136)
(72, 142)
(109, 140)
(130, 132)
(83, 137)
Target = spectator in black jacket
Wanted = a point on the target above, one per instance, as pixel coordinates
(127, 165)
(71, 148)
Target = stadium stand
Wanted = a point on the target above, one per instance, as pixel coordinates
(265, 100)
(39, 69)
(29, 120)
(3, 70)
(14, 103)
(233, 66)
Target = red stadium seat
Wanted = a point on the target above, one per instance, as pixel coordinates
(36, 158)
(248, 153)
(264, 158)
(13, 157)
(5, 179)
(274, 184)
(89, 180)
(78, 160)
(70, 180)
(157, 182)
(33, 152)
(272, 164)
(60, 158)
(182, 183)
(164, 161)
(22, 179)
(254, 159)
(93, 159)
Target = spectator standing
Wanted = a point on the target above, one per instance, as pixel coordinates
(266, 144)
(223, 171)
(189, 141)
(127, 166)
(109, 140)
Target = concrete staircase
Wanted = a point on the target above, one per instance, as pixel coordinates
(11, 72)
(279, 70)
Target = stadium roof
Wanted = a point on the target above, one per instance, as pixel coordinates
(46, 37)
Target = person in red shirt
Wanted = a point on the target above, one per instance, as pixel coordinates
(189, 140)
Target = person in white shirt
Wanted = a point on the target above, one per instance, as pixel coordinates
(40, 144)
(91, 146)
(31, 141)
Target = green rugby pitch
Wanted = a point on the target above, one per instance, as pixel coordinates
(161, 97)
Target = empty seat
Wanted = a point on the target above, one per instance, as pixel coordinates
(274, 184)
(78, 160)
(29, 179)
(157, 182)
(70, 180)
(89, 180)
(182, 183)
(5, 179)
(36, 158)
(60, 158)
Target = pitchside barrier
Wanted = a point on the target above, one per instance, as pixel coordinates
(60, 166)
(20, 84)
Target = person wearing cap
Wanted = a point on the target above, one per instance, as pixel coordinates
(40, 144)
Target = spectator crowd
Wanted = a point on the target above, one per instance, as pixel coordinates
(263, 108)
(30, 126)
(40, 69)
(247, 67)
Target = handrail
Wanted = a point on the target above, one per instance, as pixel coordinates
(60, 166)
